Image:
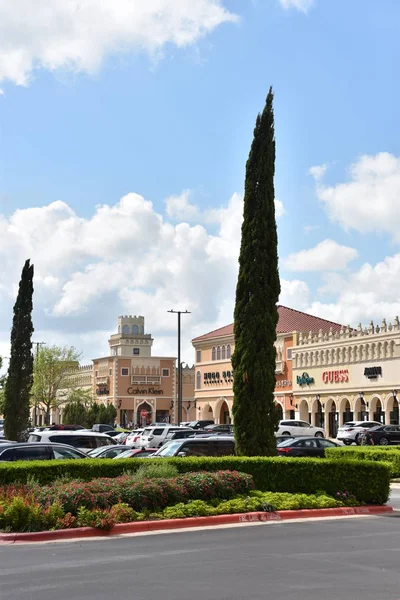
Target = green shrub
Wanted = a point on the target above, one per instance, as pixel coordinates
(367, 481)
(156, 470)
(388, 455)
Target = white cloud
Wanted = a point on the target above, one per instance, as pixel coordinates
(180, 208)
(301, 5)
(295, 294)
(369, 202)
(79, 35)
(318, 171)
(325, 256)
(279, 209)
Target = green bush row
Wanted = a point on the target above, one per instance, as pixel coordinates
(388, 455)
(367, 481)
(21, 514)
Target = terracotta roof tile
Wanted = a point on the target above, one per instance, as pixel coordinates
(289, 320)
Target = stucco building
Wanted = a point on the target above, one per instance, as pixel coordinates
(213, 367)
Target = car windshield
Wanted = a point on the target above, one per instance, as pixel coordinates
(147, 431)
(126, 454)
(288, 442)
(168, 449)
(349, 424)
(96, 451)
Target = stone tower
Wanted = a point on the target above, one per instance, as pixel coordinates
(131, 339)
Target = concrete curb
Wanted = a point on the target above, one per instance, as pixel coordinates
(171, 524)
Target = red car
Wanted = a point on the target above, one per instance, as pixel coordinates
(137, 453)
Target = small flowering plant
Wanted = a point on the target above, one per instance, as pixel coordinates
(346, 498)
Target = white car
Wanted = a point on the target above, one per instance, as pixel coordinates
(353, 431)
(299, 428)
(83, 440)
(155, 437)
(133, 438)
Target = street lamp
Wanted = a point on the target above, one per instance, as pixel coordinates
(179, 313)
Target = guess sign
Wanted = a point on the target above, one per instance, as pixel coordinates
(336, 376)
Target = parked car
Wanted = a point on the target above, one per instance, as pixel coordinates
(353, 431)
(137, 453)
(155, 436)
(296, 428)
(121, 437)
(211, 446)
(83, 440)
(107, 451)
(383, 435)
(282, 438)
(133, 438)
(31, 451)
(181, 434)
(200, 424)
(100, 428)
(305, 446)
(219, 428)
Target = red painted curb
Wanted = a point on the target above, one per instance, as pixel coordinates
(170, 524)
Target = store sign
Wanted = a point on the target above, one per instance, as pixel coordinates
(336, 376)
(148, 391)
(373, 372)
(304, 379)
(283, 383)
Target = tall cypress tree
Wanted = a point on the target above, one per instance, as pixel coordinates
(20, 372)
(257, 293)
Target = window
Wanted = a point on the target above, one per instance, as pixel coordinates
(115, 351)
(303, 424)
(136, 351)
(224, 448)
(196, 449)
(198, 356)
(61, 453)
(125, 371)
(135, 330)
(213, 353)
(198, 380)
(326, 444)
(100, 441)
(228, 351)
(34, 453)
(223, 353)
(165, 372)
(218, 352)
(96, 373)
(110, 371)
(125, 329)
(289, 354)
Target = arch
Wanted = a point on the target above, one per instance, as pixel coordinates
(147, 370)
(345, 412)
(135, 330)
(141, 330)
(392, 410)
(376, 409)
(154, 371)
(125, 329)
(198, 380)
(332, 416)
(303, 410)
(223, 353)
(144, 421)
(317, 414)
(360, 410)
(279, 409)
(213, 353)
(207, 412)
(218, 352)
(228, 351)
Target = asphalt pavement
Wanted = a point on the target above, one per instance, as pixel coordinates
(344, 559)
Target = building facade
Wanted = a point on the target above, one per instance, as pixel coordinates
(213, 368)
(347, 375)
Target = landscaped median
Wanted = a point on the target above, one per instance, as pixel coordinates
(179, 489)
(388, 455)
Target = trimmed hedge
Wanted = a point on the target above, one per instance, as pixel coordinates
(368, 481)
(388, 455)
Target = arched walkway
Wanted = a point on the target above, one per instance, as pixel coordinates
(224, 414)
(392, 410)
(303, 410)
(345, 412)
(280, 410)
(206, 413)
(143, 420)
(360, 410)
(376, 410)
(317, 415)
(332, 417)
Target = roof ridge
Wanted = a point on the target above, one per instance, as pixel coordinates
(213, 331)
(309, 315)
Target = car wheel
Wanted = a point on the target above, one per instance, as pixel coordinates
(286, 433)
(319, 434)
(347, 442)
(383, 441)
(358, 439)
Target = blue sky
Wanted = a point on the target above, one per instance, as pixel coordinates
(160, 109)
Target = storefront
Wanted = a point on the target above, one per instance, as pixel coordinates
(348, 375)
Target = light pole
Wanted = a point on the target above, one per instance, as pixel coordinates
(37, 344)
(179, 313)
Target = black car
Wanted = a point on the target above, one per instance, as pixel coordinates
(382, 435)
(305, 446)
(31, 451)
(219, 428)
(102, 428)
(198, 446)
(200, 424)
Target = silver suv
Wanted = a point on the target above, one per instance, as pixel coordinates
(155, 437)
(83, 440)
